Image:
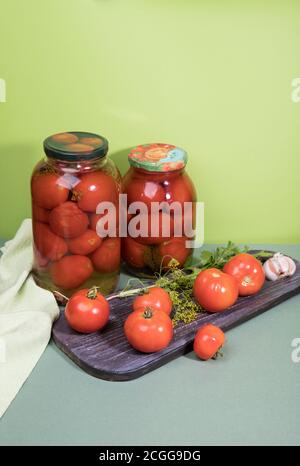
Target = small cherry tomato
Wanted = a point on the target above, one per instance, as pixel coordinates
(175, 248)
(155, 298)
(47, 192)
(94, 188)
(107, 257)
(68, 221)
(71, 271)
(64, 138)
(134, 253)
(148, 331)
(248, 271)
(215, 290)
(84, 244)
(39, 214)
(155, 229)
(49, 245)
(87, 311)
(208, 341)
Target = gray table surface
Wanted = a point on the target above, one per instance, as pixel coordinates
(251, 396)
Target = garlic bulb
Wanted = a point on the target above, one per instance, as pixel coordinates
(279, 266)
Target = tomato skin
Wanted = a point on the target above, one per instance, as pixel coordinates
(46, 190)
(107, 257)
(163, 220)
(94, 188)
(141, 190)
(49, 245)
(68, 221)
(71, 271)
(215, 290)
(39, 214)
(155, 298)
(248, 271)
(174, 248)
(134, 253)
(148, 334)
(84, 244)
(87, 315)
(181, 190)
(208, 341)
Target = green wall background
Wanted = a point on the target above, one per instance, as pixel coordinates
(211, 76)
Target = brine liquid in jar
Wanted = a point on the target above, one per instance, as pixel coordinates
(67, 187)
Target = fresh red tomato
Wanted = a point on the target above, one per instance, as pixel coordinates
(87, 311)
(134, 253)
(215, 290)
(71, 271)
(68, 221)
(148, 331)
(85, 244)
(107, 257)
(140, 190)
(155, 298)
(162, 225)
(175, 248)
(49, 245)
(46, 190)
(94, 188)
(248, 271)
(39, 214)
(208, 341)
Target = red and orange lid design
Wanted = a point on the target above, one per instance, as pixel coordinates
(158, 157)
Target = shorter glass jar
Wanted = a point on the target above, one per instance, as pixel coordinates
(66, 188)
(157, 178)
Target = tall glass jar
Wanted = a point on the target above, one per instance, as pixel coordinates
(157, 179)
(67, 186)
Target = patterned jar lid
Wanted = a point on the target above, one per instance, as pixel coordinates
(158, 157)
(75, 145)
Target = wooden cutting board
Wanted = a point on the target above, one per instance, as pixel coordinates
(108, 355)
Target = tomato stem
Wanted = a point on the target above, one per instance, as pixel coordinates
(148, 313)
(92, 292)
(125, 294)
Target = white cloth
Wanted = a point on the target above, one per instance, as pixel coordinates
(26, 315)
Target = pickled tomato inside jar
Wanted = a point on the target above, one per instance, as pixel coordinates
(160, 229)
(67, 187)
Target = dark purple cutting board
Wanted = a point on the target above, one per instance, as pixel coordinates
(108, 355)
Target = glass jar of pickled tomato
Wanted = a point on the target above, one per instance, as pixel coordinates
(67, 186)
(161, 201)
